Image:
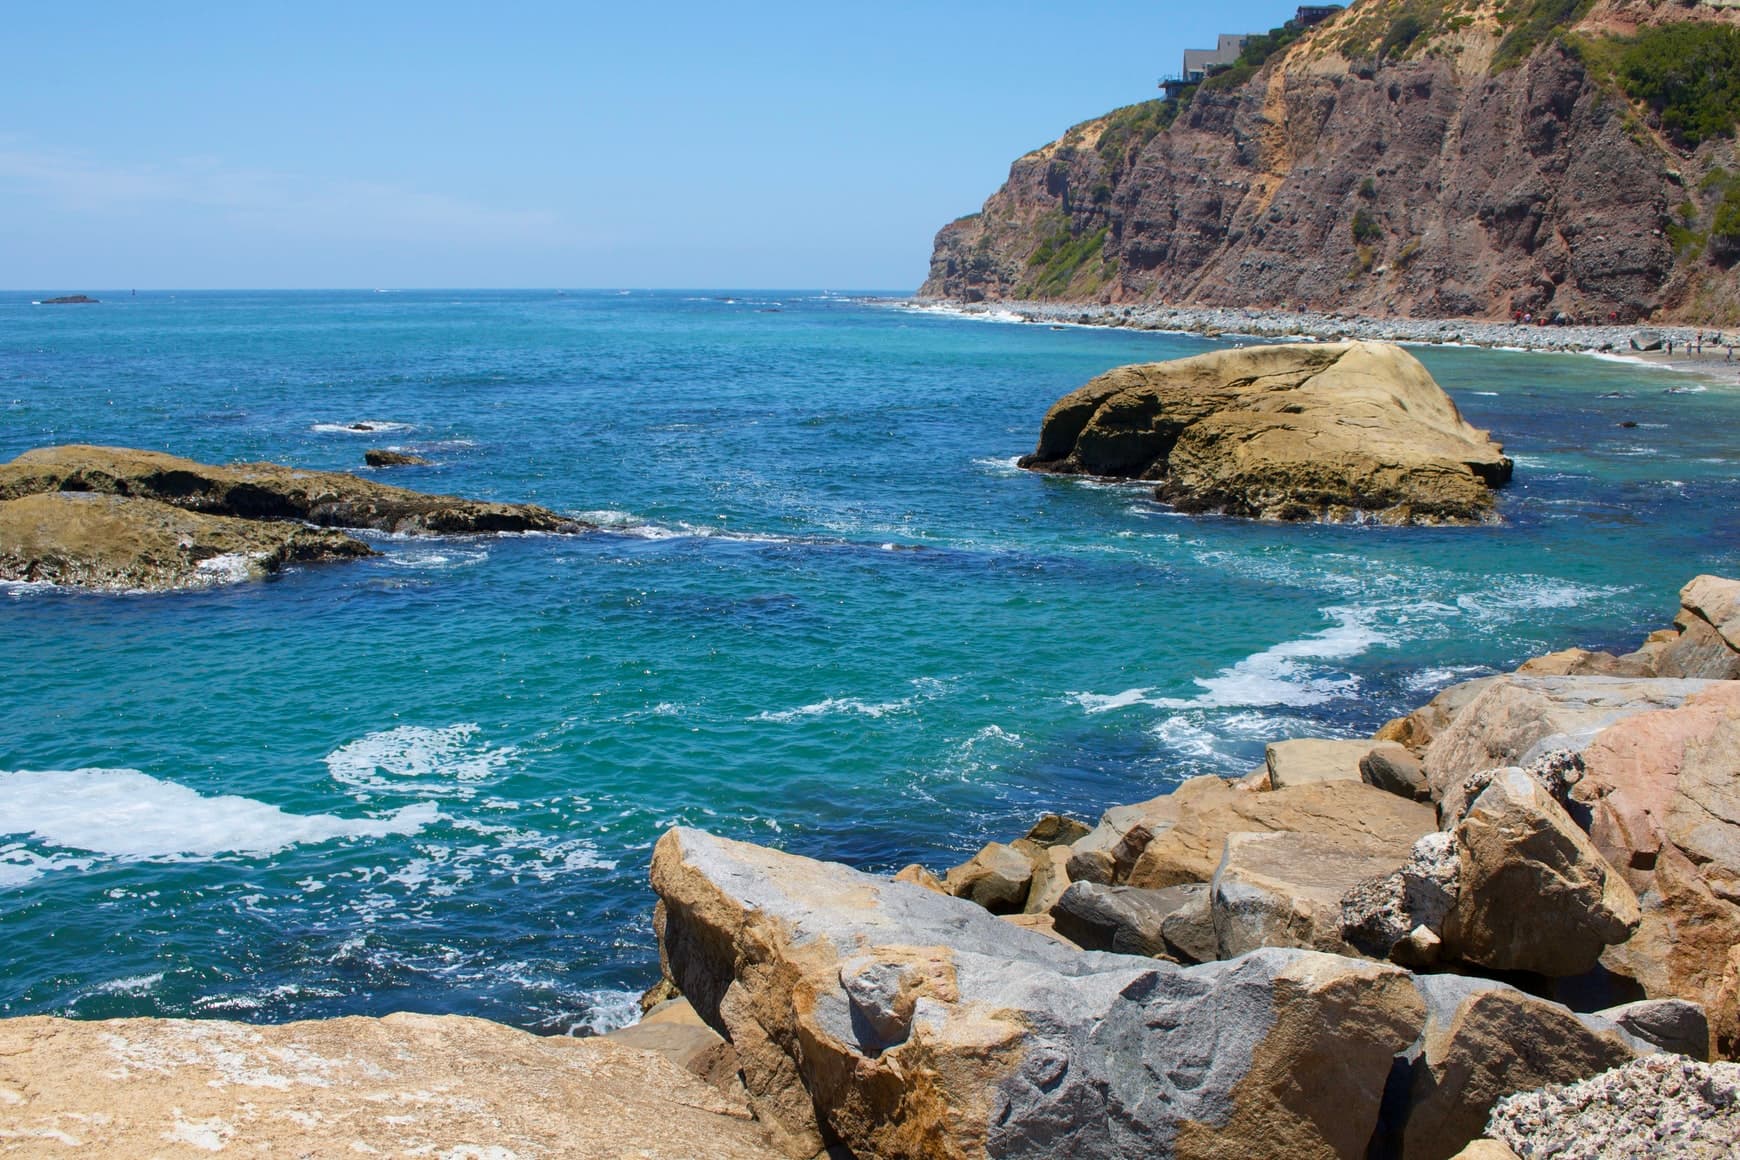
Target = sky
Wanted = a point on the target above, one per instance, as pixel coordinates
(188, 145)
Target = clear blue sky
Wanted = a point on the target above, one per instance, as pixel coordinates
(180, 145)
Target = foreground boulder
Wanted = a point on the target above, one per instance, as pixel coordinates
(902, 1023)
(109, 543)
(1315, 431)
(1483, 1041)
(266, 491)
(405, 1085)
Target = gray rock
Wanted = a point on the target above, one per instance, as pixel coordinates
(899, 1022)
(1485, 1040)
(1392, 768)
(1665, 1107)
(1189, 930)
(1125, 919)
(1646, 339)
(1671, 1024)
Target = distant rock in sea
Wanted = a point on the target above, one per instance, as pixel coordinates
(376, 457)
(1310, 431)
(157, 521)
(69, 300)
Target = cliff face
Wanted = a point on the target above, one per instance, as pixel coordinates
(1465, 173)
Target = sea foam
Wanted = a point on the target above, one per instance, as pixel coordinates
(417, 759)
(132, 816)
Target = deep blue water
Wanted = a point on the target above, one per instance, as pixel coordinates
(830, 616)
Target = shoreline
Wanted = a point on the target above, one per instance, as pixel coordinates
(1608, 342)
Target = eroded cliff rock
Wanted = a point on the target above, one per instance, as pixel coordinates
(1468, 158)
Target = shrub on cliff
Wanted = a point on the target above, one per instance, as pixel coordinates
(1689, 74)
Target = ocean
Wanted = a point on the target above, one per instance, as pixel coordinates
(826, 613)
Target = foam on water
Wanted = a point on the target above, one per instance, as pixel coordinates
(131, 816)
(927, 688)
(361, 427)
(1282, 674)
(417, 759)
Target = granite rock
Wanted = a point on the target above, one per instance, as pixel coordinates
(898, 1022)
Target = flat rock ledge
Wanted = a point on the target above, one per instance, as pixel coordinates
(113, 518)
(1322, 431)
(405, 1085)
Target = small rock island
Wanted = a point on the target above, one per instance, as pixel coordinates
(117, 519)
(1310, 431)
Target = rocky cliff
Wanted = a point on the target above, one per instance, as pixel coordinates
(1407, 157)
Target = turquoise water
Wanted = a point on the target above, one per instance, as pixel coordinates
(829, 615)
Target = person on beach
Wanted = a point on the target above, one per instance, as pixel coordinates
(1670, 347)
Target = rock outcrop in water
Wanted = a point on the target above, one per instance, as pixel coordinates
(1461, 158)
(114, 543)
(113, 518)
(1308, 431)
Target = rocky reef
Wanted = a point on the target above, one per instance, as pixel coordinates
(1458, 158)
(113, 518)
(1305, 431)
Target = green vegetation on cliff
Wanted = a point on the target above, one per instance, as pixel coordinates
(1689, 75)
(1061, 258)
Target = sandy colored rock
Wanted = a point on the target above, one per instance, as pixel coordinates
(673, 1030)
(109, 543)
(1308, 759)
(1342, 813)
(1284, 889)
(919, 876)
(266, 491)
(1109, 852)
(1486, 1150)
(1534, 893)
(1417, 729)
(1050, 878)
(1724, 1009)
(1514, 719)
(1681, 946)
(1715, 600)
(997, 878)
(1281, 432)
(899, 1022)
(401, 1086)
(1483, 1041)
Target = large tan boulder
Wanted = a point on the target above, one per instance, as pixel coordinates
(405, 1085)
(1417, 729)
(109, 543)
(1108, 852)
(998, 878)
(1343, 813)
(1534, 894)
(265, 491)
(899, 1022)
(1705, 639)
(1282, 432)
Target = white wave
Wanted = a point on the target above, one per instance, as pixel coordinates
(1437, 678)
(450, 556)
(607, 1011)
(1485, 394)
(229, 568)
(361, 427)
(928, 688)
(1001, 465)
(131, 985)
(418, 759)
(1282, 674)
(131, 816)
